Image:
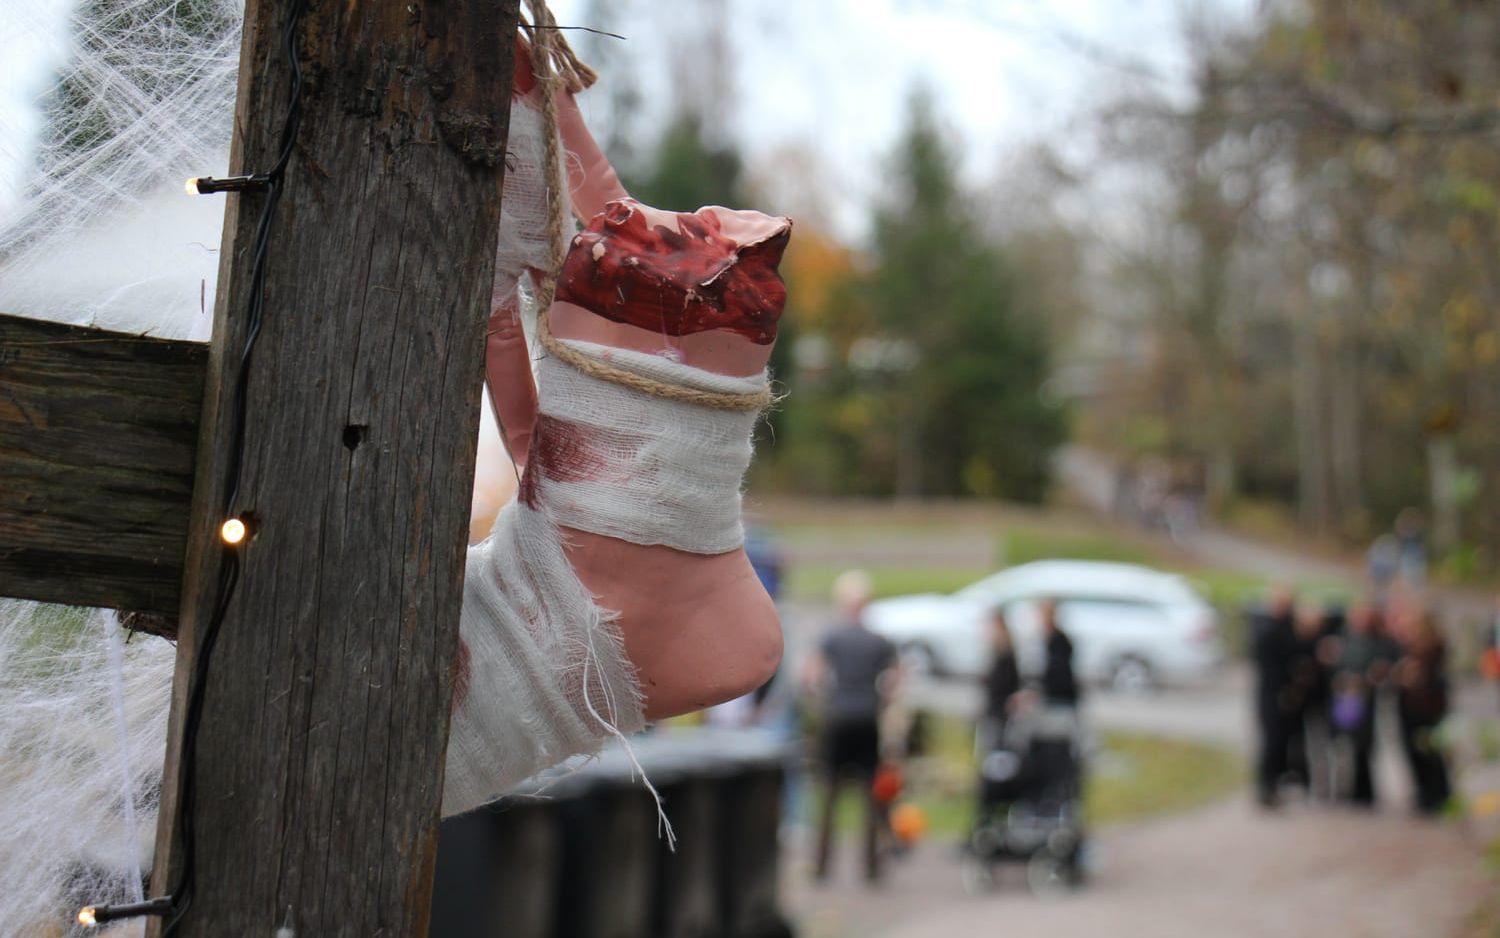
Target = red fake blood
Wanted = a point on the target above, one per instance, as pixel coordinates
(566, 452)
(461, 676)
(525, 79)
(675, 282)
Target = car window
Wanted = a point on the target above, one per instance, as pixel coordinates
(983, 591)
(1102, 612)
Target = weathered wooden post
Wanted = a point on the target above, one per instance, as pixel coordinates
(320, 753)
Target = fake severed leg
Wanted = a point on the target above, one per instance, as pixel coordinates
(617, 588)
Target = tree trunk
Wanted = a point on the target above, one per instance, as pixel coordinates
(1312, 453)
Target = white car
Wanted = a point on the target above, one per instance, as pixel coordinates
(1131, 626)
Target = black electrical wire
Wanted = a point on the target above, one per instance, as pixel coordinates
(229, 572)
(176, 903)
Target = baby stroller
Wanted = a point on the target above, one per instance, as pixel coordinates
(1030, 800)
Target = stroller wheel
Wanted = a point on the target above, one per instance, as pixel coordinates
(1050, 875)
(978, 875)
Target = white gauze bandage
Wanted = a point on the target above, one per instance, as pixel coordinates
(543, 674)
(523, 241)
(615, 461)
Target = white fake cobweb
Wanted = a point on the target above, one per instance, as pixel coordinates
(82, 730)
(97, 228)
(127, 98)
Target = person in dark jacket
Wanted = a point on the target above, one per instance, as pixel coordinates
(1273, 644)
(1059, 683)
(1361, 668)
(856, 672)
(1306, 699)
(1003, 696)
(1003, 679)
(1422, 702)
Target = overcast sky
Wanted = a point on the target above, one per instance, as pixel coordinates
(826, 76)
(836, 74)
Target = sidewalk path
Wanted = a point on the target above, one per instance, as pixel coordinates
(1226, 871)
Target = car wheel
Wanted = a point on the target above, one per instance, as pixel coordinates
(918, 660)
(1132, 675)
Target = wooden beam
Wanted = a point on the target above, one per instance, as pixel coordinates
(97, 435)
(320, 755)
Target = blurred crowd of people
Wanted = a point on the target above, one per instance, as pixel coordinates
(1326, 682)
(853, 678)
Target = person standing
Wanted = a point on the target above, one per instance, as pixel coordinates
(1307, 698)
(1363, 665)
(1422, 702)
(1002, 696)
(1273, 643)
(1059, 683)
(1003, 680)
(855, 670)
(1411, 538)
(1383, 563)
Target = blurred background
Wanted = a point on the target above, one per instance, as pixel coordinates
(1169, 326)
(1156, 310)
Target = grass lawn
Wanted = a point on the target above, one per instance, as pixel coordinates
(1130, 777)
(812, 582)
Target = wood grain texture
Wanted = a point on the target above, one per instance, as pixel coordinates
(320, 755)
(98, 432)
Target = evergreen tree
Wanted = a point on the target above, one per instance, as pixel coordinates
(972, 418)
(687, 171)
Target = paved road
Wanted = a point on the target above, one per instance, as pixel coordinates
(1226, 871)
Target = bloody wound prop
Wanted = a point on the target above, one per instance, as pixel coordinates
(630, 265)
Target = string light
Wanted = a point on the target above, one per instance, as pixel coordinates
(203, 185)
(233, 531)
(92, 916)
(237, 526)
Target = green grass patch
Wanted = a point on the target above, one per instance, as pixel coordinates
(813, 582)
(1024, 544)
(1140, 776)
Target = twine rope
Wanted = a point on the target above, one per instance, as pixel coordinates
(574, 73)
(554, 65)
(605, 371)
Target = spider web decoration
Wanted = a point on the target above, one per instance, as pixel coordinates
(100, 231)
(95, 228)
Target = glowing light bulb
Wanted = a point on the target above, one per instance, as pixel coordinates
(232, 531)
(191, 186)
(86, 917)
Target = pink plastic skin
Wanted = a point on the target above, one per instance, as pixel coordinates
(593, 183)
(593, 180)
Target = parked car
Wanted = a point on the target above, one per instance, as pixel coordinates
(1131, 626)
